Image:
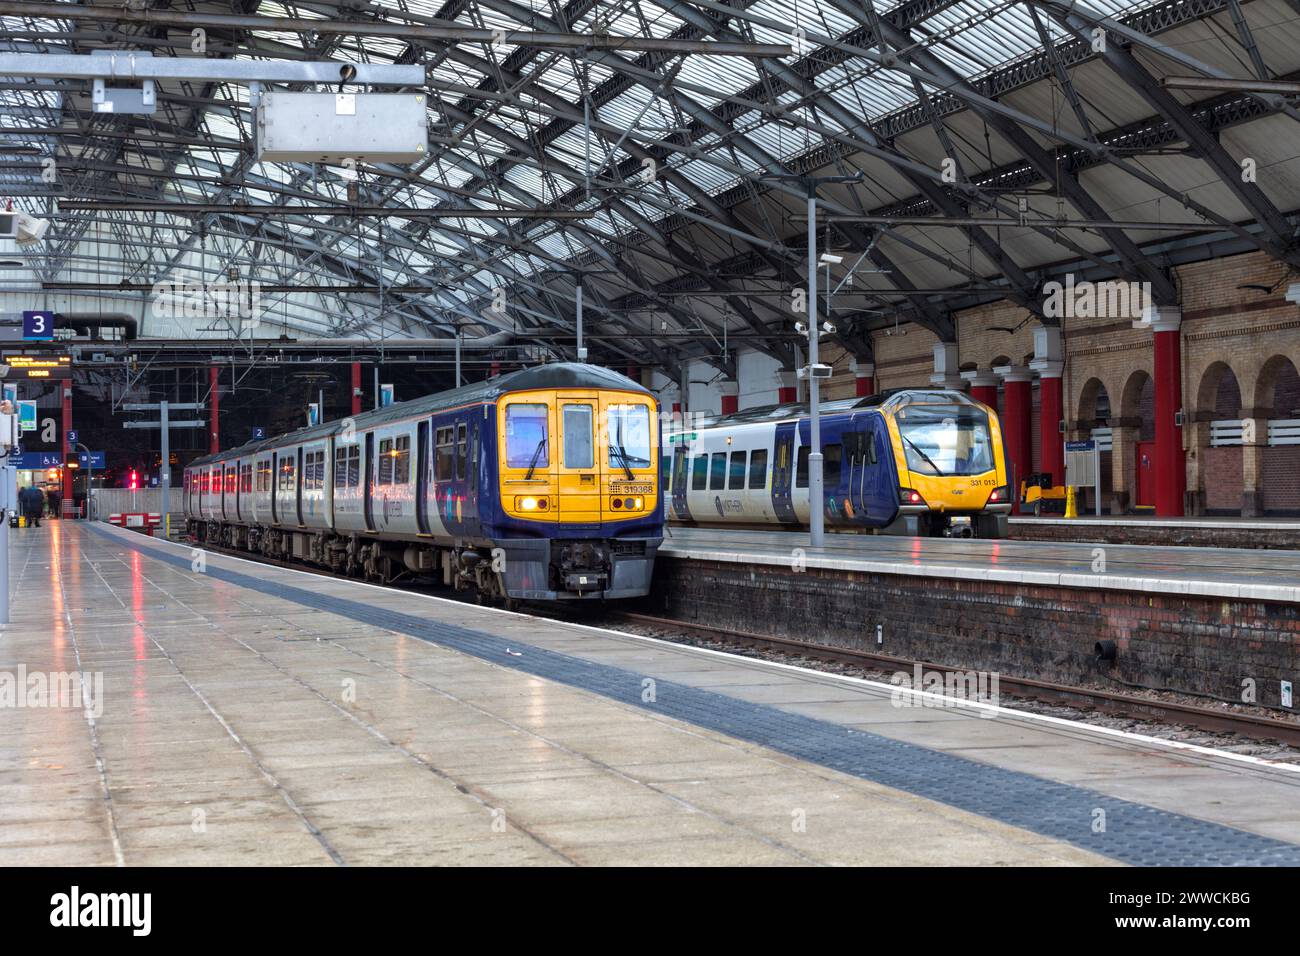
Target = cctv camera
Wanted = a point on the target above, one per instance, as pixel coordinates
(800, 328)
(828, 327)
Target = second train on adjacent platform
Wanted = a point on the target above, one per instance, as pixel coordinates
(926, 462)
(537, 485)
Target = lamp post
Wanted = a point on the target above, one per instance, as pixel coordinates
(814, 370)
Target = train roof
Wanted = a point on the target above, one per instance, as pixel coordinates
(888, 400)
(553, 375)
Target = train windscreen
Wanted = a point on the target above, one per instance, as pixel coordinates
(946, 439)
(630, 435)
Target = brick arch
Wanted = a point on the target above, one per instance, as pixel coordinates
(1276, 389)
(1219, 393)
(1094, 401)
(1136, 398)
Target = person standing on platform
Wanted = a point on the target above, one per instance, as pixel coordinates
(55, 498)
(33, 503)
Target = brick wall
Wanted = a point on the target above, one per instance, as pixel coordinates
(1194, 644)
(1282, 479)
(1222, 479)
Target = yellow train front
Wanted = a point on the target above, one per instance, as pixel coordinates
(951, 463)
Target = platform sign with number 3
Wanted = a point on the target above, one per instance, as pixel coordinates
(38, 326)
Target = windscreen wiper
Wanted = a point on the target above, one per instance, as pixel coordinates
(622, 452)
(532, 465)
(936, 468)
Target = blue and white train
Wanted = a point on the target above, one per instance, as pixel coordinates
(537, 485)
(925, 462)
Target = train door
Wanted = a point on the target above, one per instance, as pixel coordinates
(422, 477)
(368, 479)
(783, 473)
(1145, 492)
(872, 491)
(274, 479)
(580, 477)
(680, 462)
(297, 488)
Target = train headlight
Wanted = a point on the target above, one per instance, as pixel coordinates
(531, 504)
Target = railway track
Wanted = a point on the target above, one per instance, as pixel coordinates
(1254, 726)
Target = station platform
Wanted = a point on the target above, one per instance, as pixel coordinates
(1204, 531)
(1272, 575)
(249, 714)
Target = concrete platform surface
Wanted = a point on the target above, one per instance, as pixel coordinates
(245, 714)
(1258, 575)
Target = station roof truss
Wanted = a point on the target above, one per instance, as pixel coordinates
(680, 135)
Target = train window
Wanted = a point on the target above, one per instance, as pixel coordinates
(526, 436)
(264, 476)
(245, 479)
(629, 434)
(758, 469)
(462, 449)
(700, 476)
(341, 466)
(718, 471)
(287, 471)
(231, 484)
(385, 462)
(833, 456)
(801, 467)
(736, 476)
(354, 466)
(579, 446)
(666, 473)
(871, 448)
(443, 462)
(402, 460)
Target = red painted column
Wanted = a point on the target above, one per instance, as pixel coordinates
(214, 408)
(864, 378)
(730, 398)
(356, 388)
(1170, 463)
(1051, 446)
(67, 446)
(983, 387)
(1017, 403)
(787, 390)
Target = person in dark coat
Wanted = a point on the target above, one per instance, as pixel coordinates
(33, 503)
(55, 499)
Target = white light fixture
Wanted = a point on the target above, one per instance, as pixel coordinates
(830, 259)
(30, 230)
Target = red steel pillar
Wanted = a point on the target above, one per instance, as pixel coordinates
(67, 445)
(214, 408)
(864, 377)
(1049, 364)
(1170, 462)
(787, 391)
(356, 388)
(1017, 403)
(730, 398)
(1051, 447)
(983, 387)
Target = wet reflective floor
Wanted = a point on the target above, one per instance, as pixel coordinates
(240, 714)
